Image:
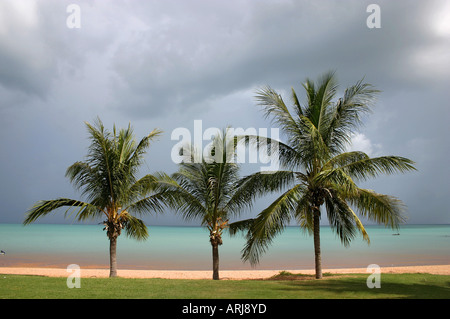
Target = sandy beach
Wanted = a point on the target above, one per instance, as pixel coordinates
(202, 274)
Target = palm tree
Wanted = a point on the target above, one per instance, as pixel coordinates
(108, 179)
(318, 170)
(204, 188)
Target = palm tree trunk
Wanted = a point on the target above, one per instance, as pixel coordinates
(317, 253)
(113, 256)
(215, 255)
(113, 232)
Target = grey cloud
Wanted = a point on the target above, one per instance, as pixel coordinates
(199, 53)
(37, 48)
(166, 63)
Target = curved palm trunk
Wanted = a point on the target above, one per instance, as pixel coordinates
(317, 253)
(215, 255)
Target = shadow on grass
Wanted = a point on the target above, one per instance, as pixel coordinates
(405, 286)
(286, 275)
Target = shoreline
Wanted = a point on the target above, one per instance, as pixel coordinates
(207, 274)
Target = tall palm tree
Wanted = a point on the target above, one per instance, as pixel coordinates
(317, 169)
(205, 190)
(108, 179)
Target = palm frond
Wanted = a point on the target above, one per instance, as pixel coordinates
(89, 180)
(149, 204)
(297, 106)
(140, 150)
(258, 184)
(383, 209)
(319, 96)
(336, 179)
(80, 174)
(360, 166)
(304, 213)
(344, 159)
(342, 218)
(346, 116)
(42, 208)
(181, 196)
(360, 227)
(240, 226)
(142, 187)
(275, 107)
(134, 227)
(270, 222)
(312, 148)
(287, 155)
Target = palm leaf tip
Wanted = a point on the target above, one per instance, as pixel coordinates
(135, 228)
(381, 208)
(44, 207)
(240, 226)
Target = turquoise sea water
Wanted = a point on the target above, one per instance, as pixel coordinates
(188, 248)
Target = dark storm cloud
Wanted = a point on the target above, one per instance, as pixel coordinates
(165, 63)
(182, 57)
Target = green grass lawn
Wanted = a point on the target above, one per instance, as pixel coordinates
(330, 287)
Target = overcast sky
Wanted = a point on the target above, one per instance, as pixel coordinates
(163, 64)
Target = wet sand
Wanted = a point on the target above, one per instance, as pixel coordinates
(203, 274)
